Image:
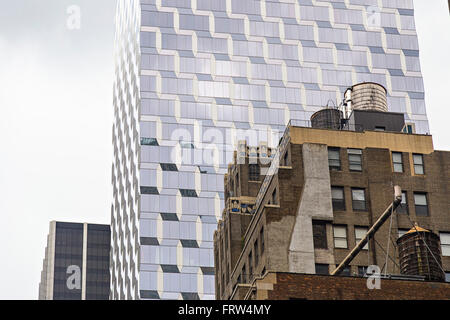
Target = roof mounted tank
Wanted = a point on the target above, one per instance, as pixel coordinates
(367, 96)
(416, 258)
(327, 118)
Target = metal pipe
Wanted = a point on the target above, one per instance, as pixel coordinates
(386, 214)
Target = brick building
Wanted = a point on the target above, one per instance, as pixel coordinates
(320, 195)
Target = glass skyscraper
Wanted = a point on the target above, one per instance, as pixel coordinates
(76, 263)
(193, 77)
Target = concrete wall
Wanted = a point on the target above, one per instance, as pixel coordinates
(315, 203)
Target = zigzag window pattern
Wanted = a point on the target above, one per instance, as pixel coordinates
(229, 64)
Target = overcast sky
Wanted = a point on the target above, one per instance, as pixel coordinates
(56, 120)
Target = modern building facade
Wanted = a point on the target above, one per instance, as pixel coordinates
(194, 77)
(323, 191)
(76, 263)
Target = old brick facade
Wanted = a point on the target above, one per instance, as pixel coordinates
(290, 286)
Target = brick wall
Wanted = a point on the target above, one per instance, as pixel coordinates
(322, 287)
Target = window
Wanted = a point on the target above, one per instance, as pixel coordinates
(397, 161)
(188, 193)
(362, 271)
(418, 164)
(149, 141)
(321, 268)
(334, 159)
(286, 159)
(354, 159)
(409, 128)
(261, 240)
(254, 172)
(255, 249)
(401, 232)
(420, 201)
(380, 128)
(250, 265)
(340, 236)
(169, 167)
(445, 243)
(358, 199)
(149, 190)
(337, 198)
(403, 207)
(245, 277)
(360, 232)
(447, 276)
(319, 235)
(345, 271)
(274, 196)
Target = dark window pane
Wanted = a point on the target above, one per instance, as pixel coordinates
(188, 193)
(420, 201)
(254, 172)
(337, 198)
(149, 142)
(319, 235)
(149, 190)
(321, 268)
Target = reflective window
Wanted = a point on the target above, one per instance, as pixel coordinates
(358, 199)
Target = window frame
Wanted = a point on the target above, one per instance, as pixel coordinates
(446, 245)
(338, 204)
(354, 152)
(322, 265)
(322, 242)
(418, 165)
(254, 171)
(419, 208)
(338, 160)
(394, 163)
(341, 227)
(403, 207)
(355, 207)
(366, 246)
